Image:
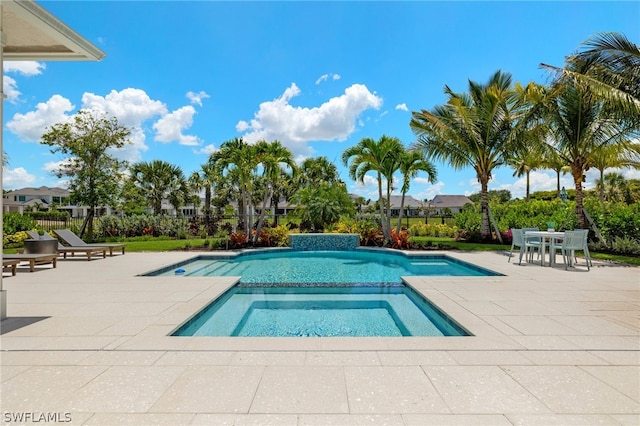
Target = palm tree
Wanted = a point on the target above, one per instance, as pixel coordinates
(380, 157)
(609, 67)
(616, 187)
(624, 154)
(315, 170)
(237, 158)
(474, 129)
(552, 161)
(205, 178)
(157, 180)
(525, 159)
(273, 157)
(582, 125)
(411, 163)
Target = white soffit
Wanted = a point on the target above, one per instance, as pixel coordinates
(30, 33)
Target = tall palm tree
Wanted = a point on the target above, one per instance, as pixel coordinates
(158, 179)
(474, 129)
(411, 163)
(551, 160)
(524, 160)
(380, 157)
(205, 178)
(239, 159)
(609, 66)
(273, 157)
(582, 124)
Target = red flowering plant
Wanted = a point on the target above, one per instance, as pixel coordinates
(400, 240)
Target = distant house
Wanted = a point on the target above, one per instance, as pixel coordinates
(454, 203)
(44, 198)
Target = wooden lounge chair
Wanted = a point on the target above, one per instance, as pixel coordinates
(10, 263)
(70, 238)
(88, 251)
(33, 259)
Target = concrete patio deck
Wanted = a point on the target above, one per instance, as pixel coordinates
(87, 344)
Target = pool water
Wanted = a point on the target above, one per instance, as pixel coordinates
(320, 312)
(299, 267)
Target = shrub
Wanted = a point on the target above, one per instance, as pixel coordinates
(238, 240)
(14, 240)
(435, 230)
(15, 222)
(400, 240)
(275, 237)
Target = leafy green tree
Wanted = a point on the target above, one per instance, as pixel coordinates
(94, 173)
(411, 163)
(475, 129)
(159, 180)
(323, 205)
(494, 195)
(315, 170)
(206, 178)
(274, 158)
(132, 200)
(382, 158)
(239, 161)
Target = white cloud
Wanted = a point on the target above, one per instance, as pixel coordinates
(295, 126)
(196, 98)
(325, 77)
(430, 192)
(10, 88)
(207, 149)
(32, 125)
(130, 106)
(170, 126)
(16, 178)
(538, 181)
(402, 107)
(27, 68)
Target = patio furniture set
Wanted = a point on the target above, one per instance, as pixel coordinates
(44, 249)
(531, 240)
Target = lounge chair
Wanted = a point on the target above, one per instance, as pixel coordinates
(70, 238)
(64, 250)
(33, 259)
(10, 263)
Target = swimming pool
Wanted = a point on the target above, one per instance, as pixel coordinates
(354, 311)
(322, 267)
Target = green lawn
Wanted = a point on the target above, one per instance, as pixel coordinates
(147, 244)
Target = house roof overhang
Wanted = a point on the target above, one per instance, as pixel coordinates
(30, 33)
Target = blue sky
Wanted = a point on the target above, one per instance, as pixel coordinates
(318, 76)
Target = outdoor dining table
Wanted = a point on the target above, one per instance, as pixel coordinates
(553, 237)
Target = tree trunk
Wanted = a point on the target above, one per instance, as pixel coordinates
(528, 172)
(400, 214)
(601, 186)
(207, 207)
(385, 232)
(485, 229)
(558, 183)
(577, 177)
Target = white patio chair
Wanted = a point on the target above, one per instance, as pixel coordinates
(518, 240)
(573, 241)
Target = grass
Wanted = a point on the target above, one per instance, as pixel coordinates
(149, 244)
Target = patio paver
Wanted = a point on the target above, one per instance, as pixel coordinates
(549, 346)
